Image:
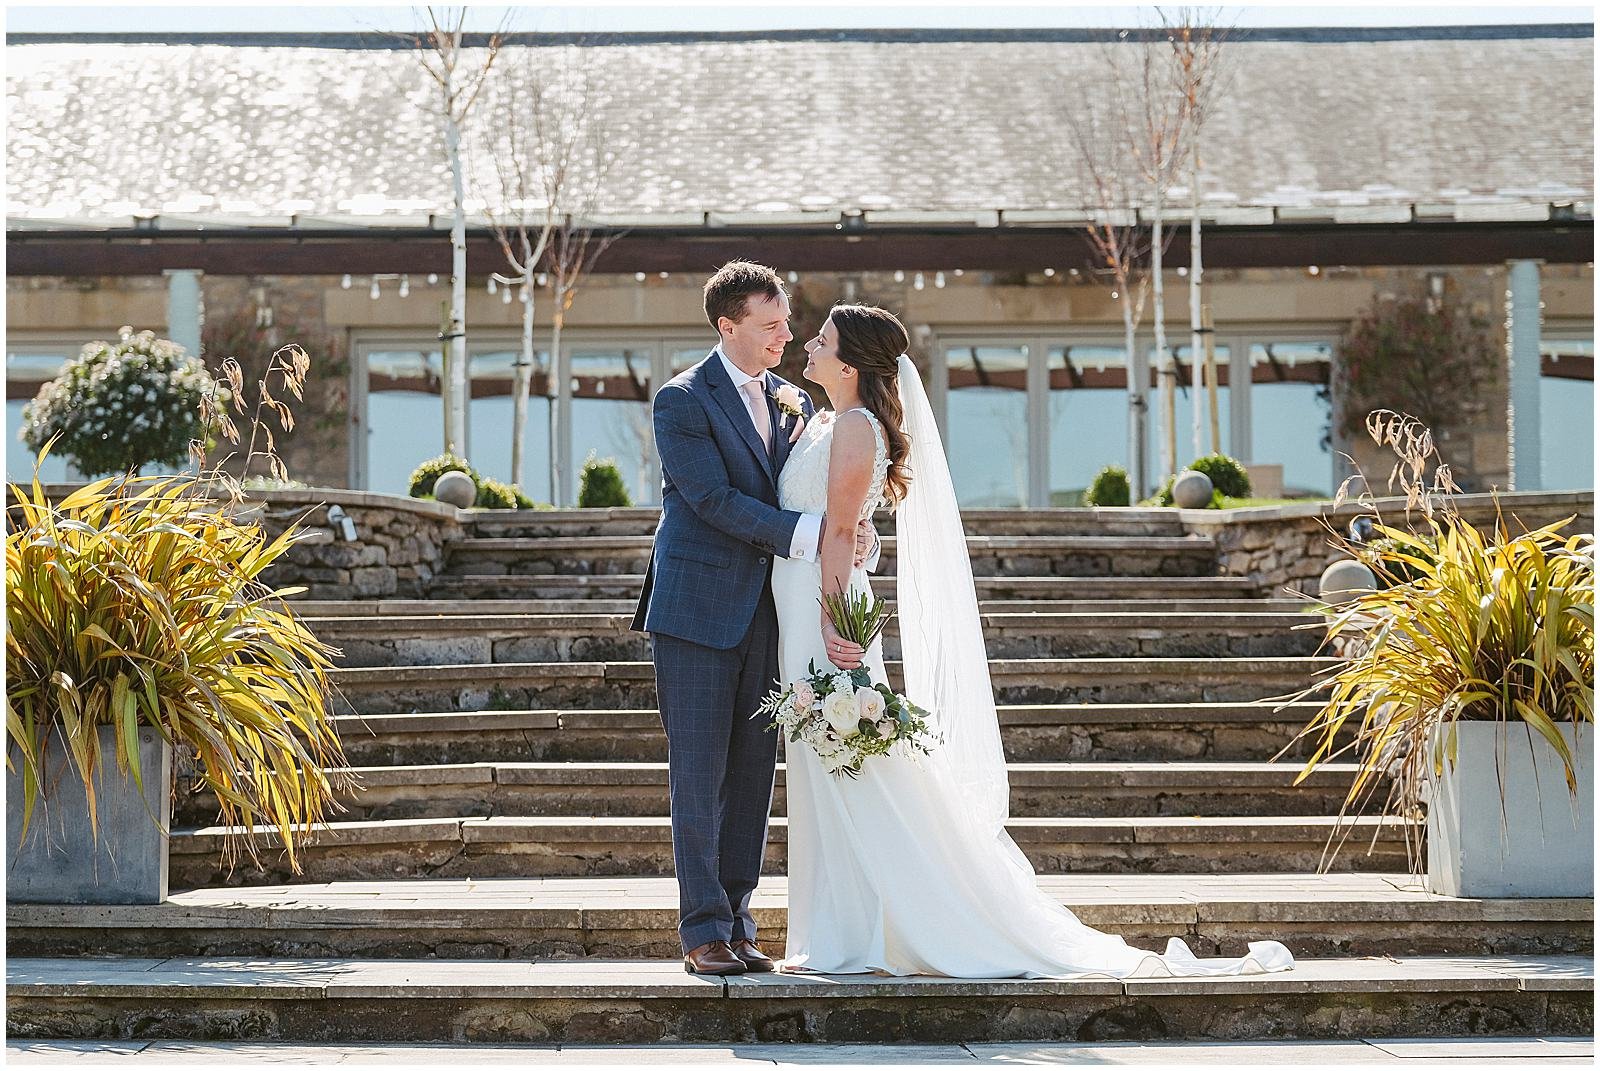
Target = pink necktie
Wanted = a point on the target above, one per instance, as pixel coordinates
(758, 411)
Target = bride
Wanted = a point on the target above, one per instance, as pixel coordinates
(908, 869)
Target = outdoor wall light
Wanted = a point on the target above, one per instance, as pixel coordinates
(338, 518)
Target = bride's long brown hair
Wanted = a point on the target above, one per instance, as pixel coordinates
(871, 341)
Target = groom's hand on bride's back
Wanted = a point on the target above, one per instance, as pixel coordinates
(866, 542)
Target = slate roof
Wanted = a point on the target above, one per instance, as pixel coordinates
(801, 127)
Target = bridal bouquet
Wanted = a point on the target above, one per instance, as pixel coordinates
(844, 717)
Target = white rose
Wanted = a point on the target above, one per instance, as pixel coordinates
(869, 704)
(839, 709)
(788, 399)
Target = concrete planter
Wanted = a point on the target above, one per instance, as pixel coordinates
(1547, 844)
(61, 862)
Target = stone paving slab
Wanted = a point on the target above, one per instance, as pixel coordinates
(335, 978)
(1393, 1052)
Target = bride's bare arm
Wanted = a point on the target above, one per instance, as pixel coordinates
(849, 476)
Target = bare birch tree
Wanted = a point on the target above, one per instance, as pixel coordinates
(460, 76)
(1102, 135)
(1153, 114)
(552, 158)
(539, 141)
(1197, 52)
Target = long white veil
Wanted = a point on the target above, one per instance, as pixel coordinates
(941, 634)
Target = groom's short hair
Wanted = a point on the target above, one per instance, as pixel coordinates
(730, 289)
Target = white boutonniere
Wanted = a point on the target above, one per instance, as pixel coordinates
(789, 403)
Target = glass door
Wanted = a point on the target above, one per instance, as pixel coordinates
(986, 423)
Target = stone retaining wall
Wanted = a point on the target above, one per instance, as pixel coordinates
(1288, 546)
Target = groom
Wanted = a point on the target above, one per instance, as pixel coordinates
(707, 606)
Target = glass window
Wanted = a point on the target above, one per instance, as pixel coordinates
(688, 357)
(1191, 386)
(1291, 413)
(29, 367)
(1088, 416)
(986, 430)
(405, 415)
(1566, 414)
(611, 416)
(490, 417)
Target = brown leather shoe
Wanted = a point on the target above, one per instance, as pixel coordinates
(755, 961)
(713, 957)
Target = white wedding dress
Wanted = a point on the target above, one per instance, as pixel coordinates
(902, 871)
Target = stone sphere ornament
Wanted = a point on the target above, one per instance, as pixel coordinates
(1346, 579)
(1192, 490)
(455, 488)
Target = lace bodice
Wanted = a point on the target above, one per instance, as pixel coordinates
(803, 483)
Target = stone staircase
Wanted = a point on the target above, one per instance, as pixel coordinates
(512, 806)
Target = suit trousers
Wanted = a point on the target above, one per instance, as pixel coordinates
(720, 764)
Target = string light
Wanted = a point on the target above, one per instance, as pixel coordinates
(433, 278)
(638, 276)
(493, 286)
(1049, 273)
(375, 293)
(938, 280)
(917, 282)
(345, 282)
(899, 276)
(405, 286)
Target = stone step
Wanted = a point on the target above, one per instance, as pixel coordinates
(479, 607)
(1007, 555)
(396, 640)
(577, 847)
(1101, 732)
(627, 586)
(642, 521)
(569, 918)
(618, 684)
(644, 1002)
(639, 789)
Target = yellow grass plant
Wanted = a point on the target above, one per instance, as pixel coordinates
(1482, 627)
(139, 601)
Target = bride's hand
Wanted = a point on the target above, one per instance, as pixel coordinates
(841, 652)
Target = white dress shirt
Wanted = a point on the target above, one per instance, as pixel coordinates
(808, 532)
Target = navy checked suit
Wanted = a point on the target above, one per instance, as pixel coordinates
(707, 606)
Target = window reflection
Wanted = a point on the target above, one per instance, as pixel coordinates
(1566, 414)
(611, 416)
(1088, 417)
(987, 424)
(1290, 413)
(405, 415)
(26, 371)
(491, 418)
(1191, 380)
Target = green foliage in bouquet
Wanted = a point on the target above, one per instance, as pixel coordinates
(857, 616)
(1110, 488)
(805, 713)
(601, 485)
(121, 405)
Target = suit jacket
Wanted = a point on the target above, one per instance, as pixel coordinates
(720, 521)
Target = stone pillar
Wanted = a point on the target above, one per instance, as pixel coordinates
(185, 308)
(1522, 375)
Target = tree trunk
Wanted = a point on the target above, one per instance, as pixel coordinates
(455, 385)
(560, 399)
(1169, 374)
(1138, 382)
(1196, 335)
(522, 382)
